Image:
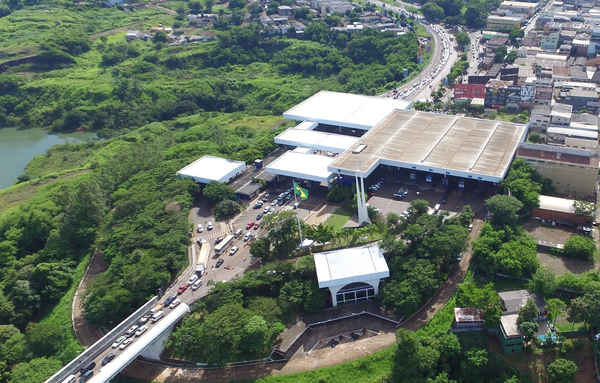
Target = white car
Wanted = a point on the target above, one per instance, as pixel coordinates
(125, 343)
(118, 341)
(209, 226)
(192, 279)
(197, 285)
(200, 229)
(233, 250)
(141, 330)
(174, 304)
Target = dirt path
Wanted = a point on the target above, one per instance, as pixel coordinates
(322, 358)
(87, 334)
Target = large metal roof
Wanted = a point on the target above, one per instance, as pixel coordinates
(316, 140)
(450, 145)
(344, 109)
(302, 165)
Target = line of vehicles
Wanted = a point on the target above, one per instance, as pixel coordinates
(429, 79)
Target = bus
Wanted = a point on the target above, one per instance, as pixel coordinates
(224, 244)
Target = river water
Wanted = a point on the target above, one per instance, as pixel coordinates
(19, 146)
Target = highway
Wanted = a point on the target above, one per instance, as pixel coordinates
(443, 57)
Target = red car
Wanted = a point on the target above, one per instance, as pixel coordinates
(181, 289)
(249, 225)
(256, 226)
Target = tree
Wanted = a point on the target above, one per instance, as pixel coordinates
(255, 335)
(586, 309)
(233, 4)
(463, 39)
(543, 282)
(585, 208)
(160, 37)
(184, 339)
(35, 371)
(529, 312)
(579, 246)
(535, 137)
(261, 248)
(256, 9)
(529, 328)
(511, 57)
(504, 209)
(562, 371)
(195, 6)
(485, 299)
(227, 209)
(474, 18)
(555, 308)
(218, 191)
(419, 206)
(432, 11)
(44, 339)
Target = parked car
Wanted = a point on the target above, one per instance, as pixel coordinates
(209, 226)
(459, 257)
(174, 303)
(220, 262)
(125, 343)
(200, 229)
(249, 225)
(141, 330)
(471, 227)
(118, 341)
(108, 358)
(258, 217)
(233, 250)
(181, 289)
(256, 226)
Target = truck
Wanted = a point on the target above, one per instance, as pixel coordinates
(202, 258)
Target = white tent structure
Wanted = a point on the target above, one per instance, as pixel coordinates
(302, 165)
(351, 274)
(209, 168)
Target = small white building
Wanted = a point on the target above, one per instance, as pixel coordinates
(133, 35)
(352, 274)
(209, 168)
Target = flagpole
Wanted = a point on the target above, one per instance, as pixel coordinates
(297, 217)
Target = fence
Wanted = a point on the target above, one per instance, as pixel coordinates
(98, 347)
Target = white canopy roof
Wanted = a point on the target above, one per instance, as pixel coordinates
(344, 109)
(342, 267)
(562, 205)
(316, 140)
(209, 168)
(302, 165)
(589, 134)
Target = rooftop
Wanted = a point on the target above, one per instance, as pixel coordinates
(344, 109)
(460, 146)
(557, 154)
(302, 165)
(209, 168)
(342, 267)
(514, 300)
(316, 140)
(562, 205)
(510, 327)
(468, 315)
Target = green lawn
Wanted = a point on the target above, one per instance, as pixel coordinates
(339, 218)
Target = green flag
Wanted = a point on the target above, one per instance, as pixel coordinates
(303, 193)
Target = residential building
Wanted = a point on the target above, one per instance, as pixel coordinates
(468, 318)
(581, 99)
(561, 114)
(501, 22)
(133, 35)
(285, 10)
(560, 210)
(513, 301)
(496, 92)
(540, 117)
(572, 171)
(510, 335)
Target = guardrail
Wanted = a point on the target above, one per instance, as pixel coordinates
(97, 348)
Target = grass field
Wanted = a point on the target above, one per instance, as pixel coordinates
(339, 218)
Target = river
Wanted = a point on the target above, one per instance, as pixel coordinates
(19, 146)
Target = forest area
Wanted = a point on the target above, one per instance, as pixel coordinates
(155, 108)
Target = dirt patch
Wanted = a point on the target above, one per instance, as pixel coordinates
(562, 265)
(548, 233)
(87, 334)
